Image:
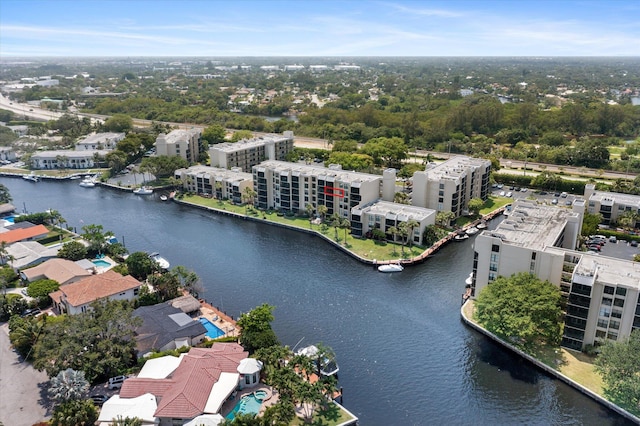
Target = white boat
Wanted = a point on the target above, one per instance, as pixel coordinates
(74, 177)
(481, 225)
(87, 183)
(328, 364)
(471, 231)
(164, 197)
(469, 279)
(143, 190)
(161, 261)
(461, 237)
(32, 177)
(391, 267)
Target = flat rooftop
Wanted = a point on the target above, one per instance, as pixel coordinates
(100, 137)
(297, 169)
(454, 168)
(610, 270)
(619, 198)
(225, 174)
(246, 144)
(385, 208)
(531, 225)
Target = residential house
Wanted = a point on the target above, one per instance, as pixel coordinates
(611, 204)
(28, 253)
(7, 154)
(181, 143)
(61, 270)
(23, 234)
(165, 327)
(247, 153)
(450, 186)
(77, 297)
(141, 408)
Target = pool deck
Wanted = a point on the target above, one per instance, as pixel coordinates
(271, 399)
(102, 269)
(221, 320)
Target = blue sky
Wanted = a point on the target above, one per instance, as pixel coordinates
(319, 28)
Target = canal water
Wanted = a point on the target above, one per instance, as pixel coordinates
(405, 357)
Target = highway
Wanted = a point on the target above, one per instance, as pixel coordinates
(516, 166)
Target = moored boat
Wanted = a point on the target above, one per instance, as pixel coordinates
(471, 231)
(164, 197)
(391, 267)
(469, 279)
(327, 365)
(32, 177)
(161, 261)
(461, 237)
(482, 225)
(143, 190)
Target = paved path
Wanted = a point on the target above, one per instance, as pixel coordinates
(21, 387)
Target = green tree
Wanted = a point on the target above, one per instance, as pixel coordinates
(255, 328)
(241, 134)
(322, 211)
(521, 309)
(335, 222)
(619, 366)
(96, 236)
(74, 412)
(475, 205)
(188, 279)
(345, 224)
(126, 421)
(590, 223)
(24, 333)
(388, 152)
(429, 236)
(140, 265)
(444, 218)
(73, 250)
(118, 123)
(116, 160)
(42, 288)
(5, 195)
(214, 134)
(167, 285)
(68, 385)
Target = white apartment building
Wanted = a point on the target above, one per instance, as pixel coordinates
(383, 215)
(247, 153)
(291, 186)
(450, 185)
(99, 141)
(182, 143)
(66, 159)
(602, 294)
(610, 204)
(222, 183)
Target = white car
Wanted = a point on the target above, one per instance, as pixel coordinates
(509, 194)
(502, 193)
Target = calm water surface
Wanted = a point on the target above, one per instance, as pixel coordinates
(405, 357)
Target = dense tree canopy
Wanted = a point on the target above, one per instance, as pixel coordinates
(42, 288)
(140, 265)
(619, 365)
(256, 331)
(118, 123)
(73, 250)
(521, 309)
(5, 195)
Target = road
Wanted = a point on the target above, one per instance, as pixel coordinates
(22, 388)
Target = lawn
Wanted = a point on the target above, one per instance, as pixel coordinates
(368, 249)
(333, 415)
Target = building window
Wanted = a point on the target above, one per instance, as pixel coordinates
(492, 276)
(621, 291)
(608, 289)
(494, 257)
(495, 248)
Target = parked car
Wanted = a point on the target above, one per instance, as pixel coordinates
(563, 195)
(554, 201)
(613, 239)
(594, 247)
(99, 399)
(116, 382)
(502, 193)
(31, 312)
(633, 243)
(509, 194)
(524, 190)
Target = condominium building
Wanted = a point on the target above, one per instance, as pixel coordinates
(611, 204)
(66, 159)
(182, 143)
(222, 183)
(384, 215)
(518, 243)
(292, 186)
(247, 153)
(100, 141)
(450, 185)
(602, 294)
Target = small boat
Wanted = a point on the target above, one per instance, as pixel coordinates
(164, 197)
(74, 177)
(471, 231)
(391, 267)
(469, 279)
(328, 364)
(143, 190)
(87, 183)
(161, 261)
(481, 225)
(461, 237)
(32, 177)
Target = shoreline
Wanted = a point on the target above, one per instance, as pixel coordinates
(547, 369)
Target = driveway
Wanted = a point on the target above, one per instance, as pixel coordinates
(23, 389)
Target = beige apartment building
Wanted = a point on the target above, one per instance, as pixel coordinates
(220, 183)
(450, 185)
(249, 152)
(601, 293)
(181, 143)
(610, 204)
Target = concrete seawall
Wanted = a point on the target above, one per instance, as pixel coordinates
(549, 370)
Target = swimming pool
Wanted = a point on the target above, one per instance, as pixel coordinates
(212, 331)
(101, 263)
(249, 404)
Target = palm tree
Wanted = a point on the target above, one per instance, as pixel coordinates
(248, 194)
(322, 211)
(68, 385)
(309, 209)
(345, 224)
(403, 231)
(411, 225)
(335, 222)
(218, 187)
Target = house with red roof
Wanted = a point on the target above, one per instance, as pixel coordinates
(76, 297)
(24, 234)
(202, 381)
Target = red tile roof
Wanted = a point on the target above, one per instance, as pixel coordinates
(97, 287)
(22, 234)
(185, 394)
